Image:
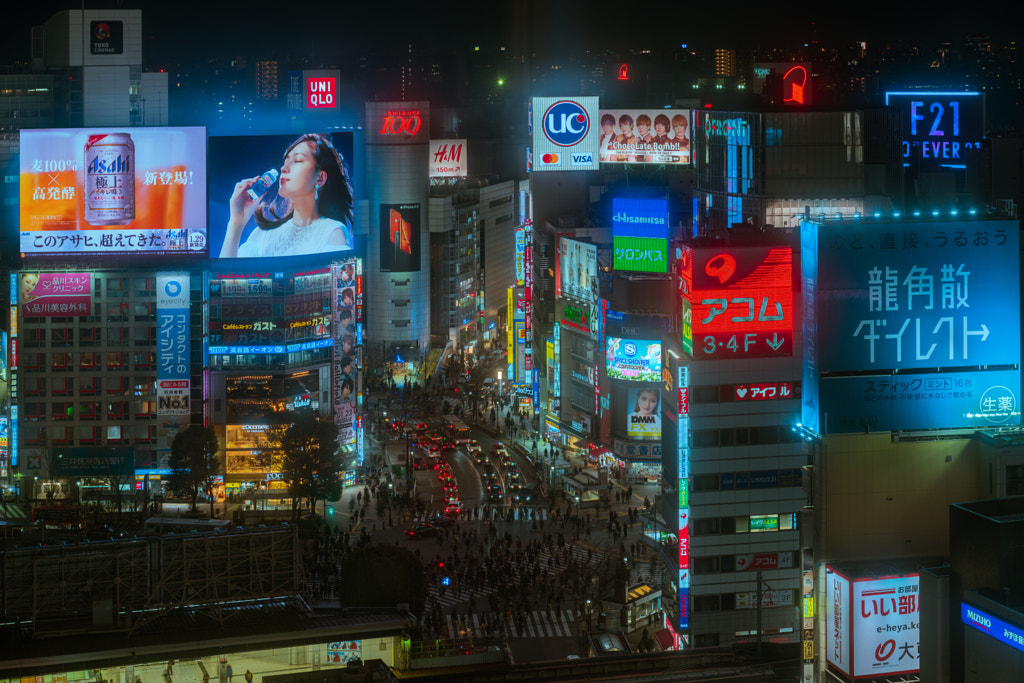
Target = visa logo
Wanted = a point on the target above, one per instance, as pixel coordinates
(582, 159)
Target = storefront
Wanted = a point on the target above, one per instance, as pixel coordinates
(640, 462)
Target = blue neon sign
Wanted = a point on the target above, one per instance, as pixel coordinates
(941, 127)
(273, 348)
(992, 626)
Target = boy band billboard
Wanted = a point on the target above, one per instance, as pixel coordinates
(657, 136)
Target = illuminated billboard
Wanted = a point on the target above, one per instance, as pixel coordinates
(873, 625)
(737, 301)
(577, 274)
(347, 294)
(645, 136)
(940, 128)
(173, 370)
(113, 191)
(912, 325)
(789, 82)
(45, 295)
(640, 235)
(399, 238)
(280, 195)
(644, 419)
(565, 134)
(397, 123)
(633, 359)
(321, 88)
(447, 159)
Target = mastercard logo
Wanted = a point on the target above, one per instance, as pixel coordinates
(549, 159)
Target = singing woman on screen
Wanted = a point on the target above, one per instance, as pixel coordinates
(311, 214)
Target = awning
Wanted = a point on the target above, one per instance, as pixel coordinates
(665, 639)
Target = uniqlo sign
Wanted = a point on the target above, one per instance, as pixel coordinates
(321, 92)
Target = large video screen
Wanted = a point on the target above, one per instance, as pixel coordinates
(564, 133)
(644, 418)
(633, 359)
(400, 238)
(645, 136)
(640, 234)
(280, 195)
(113, 191)
(577, 272)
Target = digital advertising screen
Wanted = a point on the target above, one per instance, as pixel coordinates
(347, 292)
(633, 359)
(738, 301)
(565, 134)
(113, 191)
(645, 136)
(941, 128)
(577, 270)
(640, 235)
(280, 195)
(644, 418)
(44, 295)
(399, 238)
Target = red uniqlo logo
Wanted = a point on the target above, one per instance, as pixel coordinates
(321, 92)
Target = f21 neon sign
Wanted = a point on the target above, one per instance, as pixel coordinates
(940, 127)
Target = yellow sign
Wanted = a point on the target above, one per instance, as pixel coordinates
(511, 327)
(808, 650)
(808, 606)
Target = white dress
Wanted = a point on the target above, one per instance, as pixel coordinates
(289, 239)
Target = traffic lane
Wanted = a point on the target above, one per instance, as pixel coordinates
(466, 477)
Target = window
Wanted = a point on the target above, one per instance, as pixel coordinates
(34, 412)
(117, 434)
(145, 409)
(117, 360)
(707, 565)
(704, 482)
(117, 410)
(145, 286)
(88, 434)
(90, 386)
(34, 386)
(145, 359)
(117, 312)
(145, 311)
(117, 286)
(1015, 480)
(60, 361)
(706, 640)
(89, 336)
(62, 435)
(145, 433)
(34, 361)
(33, 337)
(62, 411)
(63, 385)
(117, 386)
(90, 410)
(62, 337)
(117, 336)
(89, 360)
(706, 526)
(144, 336)
(706, 603)
(35, 434)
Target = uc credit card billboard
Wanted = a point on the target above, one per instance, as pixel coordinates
(565, 134)
(113, 191)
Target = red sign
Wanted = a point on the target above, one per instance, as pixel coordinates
(684, 401)
(404, 122)
(321, 92)
(765, 391)
(741, 300)
(794, 84)
(764, 561)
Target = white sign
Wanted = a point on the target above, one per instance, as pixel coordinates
(780, 598)
(447, 159)
(886, 616)
(837, 621)
(565, 134)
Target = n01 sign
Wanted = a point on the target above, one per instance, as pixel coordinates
(172, 403)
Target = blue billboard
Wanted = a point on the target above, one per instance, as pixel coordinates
(940, 128)
(901, 296)
(917, 400)
(1004, 632)
(640, 234)
(911, 325)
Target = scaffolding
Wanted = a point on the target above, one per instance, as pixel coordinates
(122, 585)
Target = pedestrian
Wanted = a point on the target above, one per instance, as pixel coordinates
(248, 676)
(230, 673)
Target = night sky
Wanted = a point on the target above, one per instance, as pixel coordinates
(183, 30)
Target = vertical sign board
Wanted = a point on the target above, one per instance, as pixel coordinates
(898, 301)
(520, 256)
(837, 621)
(13, 370)
(741, 301)
(683, 389)
(173, 359)
(565, 134)
(809, 285)
(510, 332)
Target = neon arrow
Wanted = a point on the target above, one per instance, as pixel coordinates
(775, 342)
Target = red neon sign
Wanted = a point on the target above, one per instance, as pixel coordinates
(321, 92)
(764, 391)
(402, 123)
(793, 84)
(624, 72)
(741, 301)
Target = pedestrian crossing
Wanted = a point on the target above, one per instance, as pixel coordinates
(551, 562)
(449, 596)
(12, 512)
(495, 513)
(537, 624)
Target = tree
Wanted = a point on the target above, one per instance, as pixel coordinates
(194, 462)
(310, 461)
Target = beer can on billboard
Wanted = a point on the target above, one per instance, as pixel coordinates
(109, 179)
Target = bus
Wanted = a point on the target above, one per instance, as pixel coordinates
(456, 430)
(61, 516)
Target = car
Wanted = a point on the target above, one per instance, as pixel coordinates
(494, 494)
(474, 446)
(454, 507)
(420, 427)
(422, 530)
(498, 448)
(441, 522)
(419, 463)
